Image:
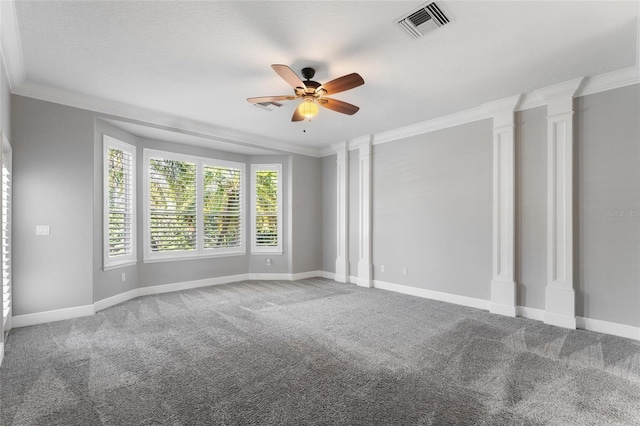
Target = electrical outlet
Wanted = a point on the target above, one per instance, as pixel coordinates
(404, 271)
(124, 277)
(268, 262)
(381, 268)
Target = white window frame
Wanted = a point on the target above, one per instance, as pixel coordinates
(131, 259)
(254, 247)
(7, 275)
(200, 252)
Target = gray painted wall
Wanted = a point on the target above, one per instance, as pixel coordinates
(531, 206)
(432, 210)
(329, 213)
(307, 214)
(608, 222)
(52, 185)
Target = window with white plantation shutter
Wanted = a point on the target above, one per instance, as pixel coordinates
(6, 239)
(172, 205)
(194, 206)
(119, 203)
(222, 212)
(266, 208)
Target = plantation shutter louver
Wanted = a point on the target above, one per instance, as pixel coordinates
(120, 199)
(119, 203)
(6, 243)
(172, 205)
(267, 208)
(222, 207)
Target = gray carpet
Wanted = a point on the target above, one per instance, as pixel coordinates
(313, 352)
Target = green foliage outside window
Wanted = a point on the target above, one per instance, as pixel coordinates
(119, 199)
(266, 208)
(172, 205)
(221, 207)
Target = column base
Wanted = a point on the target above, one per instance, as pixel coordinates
(364, 275)
(559, 307)
(341, 271)
(503, 298)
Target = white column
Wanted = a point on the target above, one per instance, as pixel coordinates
(364, 214)
(342, 224)
(503, 285)
(559, 293)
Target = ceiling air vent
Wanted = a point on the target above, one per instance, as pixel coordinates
(266, 105)
(427, 18)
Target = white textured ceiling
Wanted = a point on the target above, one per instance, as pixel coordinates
(199, 61)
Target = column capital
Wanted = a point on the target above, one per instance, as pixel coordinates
(341, 148)
(502, 110)
(359, 142)
(559, 97)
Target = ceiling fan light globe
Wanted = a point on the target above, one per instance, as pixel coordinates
(308, 108)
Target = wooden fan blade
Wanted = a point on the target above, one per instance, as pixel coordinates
(288, 75)
(270, 99)
(297, 116)
(343, 83)
(338, 106)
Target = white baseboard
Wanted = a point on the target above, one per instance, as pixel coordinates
(505, 310)
(328, 275)
(189, 285)
(560, 320)
(80, 311)
(606, 327)
(434, 295)
(115, 300)
(51, 316)
(305, 275)
(615, 329)
(530, 313)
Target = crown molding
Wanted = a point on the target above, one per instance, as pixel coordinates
(609, 81)
(326, 151)
(451, 120)
(155, 118)
(10, 44)
(577, 87)
(341, 149)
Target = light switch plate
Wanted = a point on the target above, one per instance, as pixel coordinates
(42, 229)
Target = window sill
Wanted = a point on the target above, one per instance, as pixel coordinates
(191, 257)
(119, 265)
(266, 252)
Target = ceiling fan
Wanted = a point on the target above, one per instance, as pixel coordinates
(313, 93)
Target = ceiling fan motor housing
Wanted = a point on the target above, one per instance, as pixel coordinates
(308, 73)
